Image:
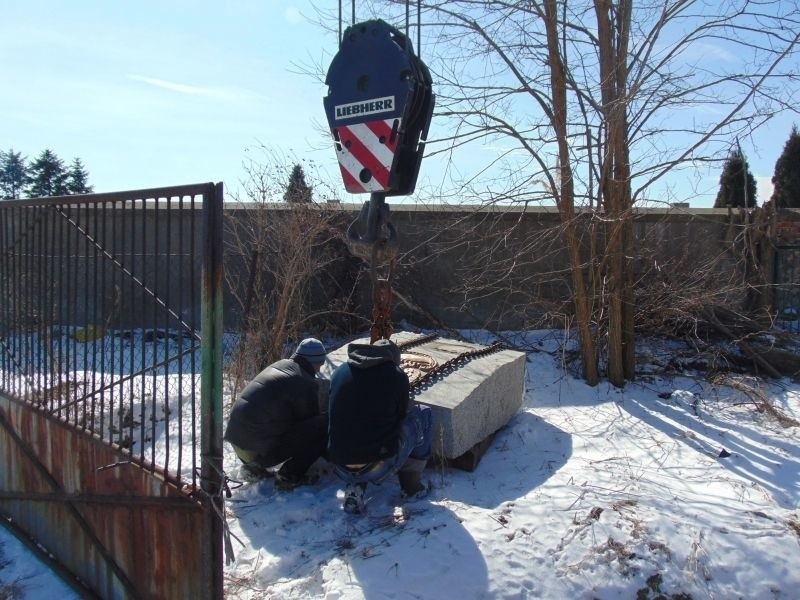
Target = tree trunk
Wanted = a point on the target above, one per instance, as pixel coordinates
(613, 25)
(565, 197)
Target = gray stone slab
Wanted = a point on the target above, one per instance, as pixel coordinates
(470, 403)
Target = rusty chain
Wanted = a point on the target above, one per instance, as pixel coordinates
(447, 367)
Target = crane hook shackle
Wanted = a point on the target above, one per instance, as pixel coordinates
(378, 244)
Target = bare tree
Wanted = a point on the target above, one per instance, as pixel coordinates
(591, 105)
(296, 270)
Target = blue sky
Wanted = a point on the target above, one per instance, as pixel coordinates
(161, 93)
(156, 93)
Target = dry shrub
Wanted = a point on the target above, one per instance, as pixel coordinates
(290, 275)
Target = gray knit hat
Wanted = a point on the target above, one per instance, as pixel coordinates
(312, 350)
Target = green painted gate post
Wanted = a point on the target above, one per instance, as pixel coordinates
(211, 473)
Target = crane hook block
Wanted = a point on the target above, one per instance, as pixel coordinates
(379, 107)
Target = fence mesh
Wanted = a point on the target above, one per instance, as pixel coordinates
(101, 317)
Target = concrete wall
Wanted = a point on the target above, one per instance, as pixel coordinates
(516, 264)
(444, 250)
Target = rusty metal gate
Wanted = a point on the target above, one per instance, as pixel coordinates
(110, 386)
(787, 287)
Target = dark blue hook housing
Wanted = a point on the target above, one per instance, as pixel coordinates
(379, 107)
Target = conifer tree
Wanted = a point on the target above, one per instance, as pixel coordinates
(13, 175)
(737, 186)
(786, 193)
(78, 178)
(47, 176)
(297, 189)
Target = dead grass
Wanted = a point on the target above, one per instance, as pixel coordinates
(12, 591)
(794, 525)
(757, 397)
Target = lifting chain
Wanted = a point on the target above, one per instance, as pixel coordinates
(382, 327)
(448, 366)
(377, 246)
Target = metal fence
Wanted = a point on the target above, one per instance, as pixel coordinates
(69, 267)
(787, 287)
(105, 297)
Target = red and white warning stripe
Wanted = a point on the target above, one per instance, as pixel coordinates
(366, 153)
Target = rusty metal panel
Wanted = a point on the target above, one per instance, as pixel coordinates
(89, 517)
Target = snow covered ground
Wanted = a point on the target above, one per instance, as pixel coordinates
(669, 488)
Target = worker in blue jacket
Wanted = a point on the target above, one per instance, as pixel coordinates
(374, 429)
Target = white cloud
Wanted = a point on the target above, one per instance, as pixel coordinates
(712, 52)
(764, 187)
(180, 88)
(293, 15)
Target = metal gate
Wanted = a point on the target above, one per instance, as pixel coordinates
(787, 287)
(110, 386)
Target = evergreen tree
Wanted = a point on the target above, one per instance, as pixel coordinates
(78, 178)
(13, 175)
(297, 190)
(737, 186)
(786, 179)
(47, 176)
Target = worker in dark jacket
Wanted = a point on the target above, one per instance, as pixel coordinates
(374, 429)
(277, 418)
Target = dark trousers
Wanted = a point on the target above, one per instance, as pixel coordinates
(301, 446)
(412, 454)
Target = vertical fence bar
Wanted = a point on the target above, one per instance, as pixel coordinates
(9, 257)
(118, 233)
(25, 326)
(211, 383)
(12, 321)
(88, 422)
(22, 346)
(181, 261)
(12, 300)
(15, 349)
(4, 306)
(71, 316)
(48, 249)
(43, 287)
(36, 300)
(155, 337)
(130, 215)
(7, 309)
(101, 264)
(96, 333)
(113, 326)
(138, 261)
(193, 361)
(165, 320)
(25, 317)
(63, 276)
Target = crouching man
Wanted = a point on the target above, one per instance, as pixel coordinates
(374, 429)
(277, 418)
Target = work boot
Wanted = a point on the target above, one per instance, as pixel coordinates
(411, 483)
(254, 471)
(410, 477)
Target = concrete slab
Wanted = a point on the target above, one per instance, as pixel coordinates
(469, 404)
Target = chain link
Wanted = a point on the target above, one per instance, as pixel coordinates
(447, 367)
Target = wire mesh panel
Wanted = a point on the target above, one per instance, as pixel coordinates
(787, 287)
(101, 316)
